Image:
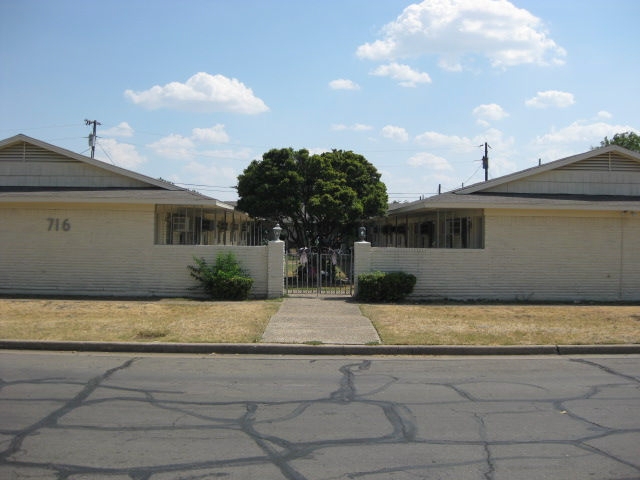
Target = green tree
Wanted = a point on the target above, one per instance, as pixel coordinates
(317, 199)
(628, 140)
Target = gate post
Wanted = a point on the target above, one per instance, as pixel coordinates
(275, 269)
(361, 261)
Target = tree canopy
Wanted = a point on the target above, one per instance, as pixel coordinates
(317, 199)
(629, 140)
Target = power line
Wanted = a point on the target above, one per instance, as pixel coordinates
(106, 153)
(473, 175)
(207, 186)
(239, 144)
(39, 128)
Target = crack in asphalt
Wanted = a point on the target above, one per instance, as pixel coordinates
(286, 454)
(486, 445)
(604, 368)
(52, 419)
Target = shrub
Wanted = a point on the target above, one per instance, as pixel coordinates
(385, 287)
(223, 281)
(370, 286)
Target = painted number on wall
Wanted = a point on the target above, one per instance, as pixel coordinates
(56, 224)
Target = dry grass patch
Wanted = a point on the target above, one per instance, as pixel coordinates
(135, 321)
(505, 324)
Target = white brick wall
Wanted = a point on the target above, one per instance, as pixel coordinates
(530, 256)
(109, 251)
(106, 251)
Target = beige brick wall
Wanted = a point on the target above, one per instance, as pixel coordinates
(534, 255)
(109, 251)
(104, 251)
(542, 255)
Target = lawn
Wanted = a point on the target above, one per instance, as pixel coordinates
(135, 321)
(189, 321)
(504, 324)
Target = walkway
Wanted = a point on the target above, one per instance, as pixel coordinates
(323, 319)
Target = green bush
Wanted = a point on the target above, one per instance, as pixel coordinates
(385, 287)
(223, 281)
(370, 286)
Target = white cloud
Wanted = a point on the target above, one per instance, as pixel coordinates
(581, 133)
(451, 160)
(245, 153)
(578, 137)
(406, 76)
(215, 134)
(440, 140)
(318, 150)
(603, 114)
(468, 152)
(489, 112)
(179, 147)
(121, 154)
(425, 159)
(392, 132)
(551, 98)
(450, 64)
(454, 29)
(208, 178)
(422, 182)
(343, 84)
(174, 146)
(357, 127)
(201, 93)
(123, 129)
(221, 175)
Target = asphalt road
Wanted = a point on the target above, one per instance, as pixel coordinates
(160, 417)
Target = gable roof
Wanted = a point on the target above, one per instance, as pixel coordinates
(598, 154)
(606, 178)
(150, 182)
(121, 185)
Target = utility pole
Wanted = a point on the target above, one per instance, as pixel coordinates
(92, 136)
(485, 161)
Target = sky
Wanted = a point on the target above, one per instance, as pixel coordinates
(192, 91)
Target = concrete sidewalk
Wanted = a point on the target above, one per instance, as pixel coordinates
(329, 320)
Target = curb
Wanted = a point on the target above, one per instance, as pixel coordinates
(303, 349)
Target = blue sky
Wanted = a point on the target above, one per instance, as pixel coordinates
(192, 91)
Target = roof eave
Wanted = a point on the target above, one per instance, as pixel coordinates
(119, 201)
(425, 206)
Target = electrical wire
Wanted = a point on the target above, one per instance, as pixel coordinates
(473, 174)
(226, 189)
(106, 153)
(38, 128)
(238, 145)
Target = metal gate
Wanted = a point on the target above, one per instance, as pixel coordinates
(319, 272)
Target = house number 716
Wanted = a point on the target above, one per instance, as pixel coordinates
(57, 225)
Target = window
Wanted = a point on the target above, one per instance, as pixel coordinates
(458, 232)
(187, 225)
(432, 229)
(458, 229)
